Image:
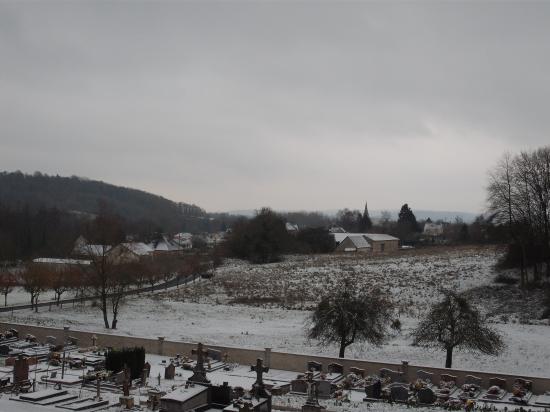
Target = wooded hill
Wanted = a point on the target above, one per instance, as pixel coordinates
(82, 196)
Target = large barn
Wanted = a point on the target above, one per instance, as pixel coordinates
(375, 243)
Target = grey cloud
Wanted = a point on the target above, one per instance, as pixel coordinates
(235, 105)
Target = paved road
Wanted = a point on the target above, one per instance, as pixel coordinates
(160, 286)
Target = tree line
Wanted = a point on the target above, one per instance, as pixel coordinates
(519, 197)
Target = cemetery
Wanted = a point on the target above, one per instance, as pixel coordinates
(79, 371)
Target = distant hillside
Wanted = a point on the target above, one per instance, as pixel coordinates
(82, 196)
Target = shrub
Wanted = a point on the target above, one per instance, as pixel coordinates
(506, 279)
(134, 358)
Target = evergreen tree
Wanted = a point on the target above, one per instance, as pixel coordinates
(406, 223)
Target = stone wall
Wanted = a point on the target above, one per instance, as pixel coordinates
(277, 360)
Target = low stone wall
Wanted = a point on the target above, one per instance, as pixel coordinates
(277, 360)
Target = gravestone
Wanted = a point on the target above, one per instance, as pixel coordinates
(51, 340)
(473, 380)
(170, 371)
(71, 340)
(399, 393)
(445, 377)
(374, 389)
(501, 383)
(215, 354)
(314, 366)
(357, 371)
(4, 349)
(394, 376)
(298, 386)
(199, 373)
(20, 369)
(426, 396)
(325, 388)
(425, 376)
(335, 368)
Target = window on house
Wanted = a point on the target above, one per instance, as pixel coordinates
(382, 247)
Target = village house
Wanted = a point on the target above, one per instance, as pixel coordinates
(130, 252)
(165, 246)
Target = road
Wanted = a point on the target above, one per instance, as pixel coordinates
(175, 282)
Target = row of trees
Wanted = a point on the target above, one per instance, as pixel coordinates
(347, 315)
(519, 198)
(265, 239)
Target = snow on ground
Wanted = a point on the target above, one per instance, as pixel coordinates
(413, 278)
(18, 296)
(173, 314)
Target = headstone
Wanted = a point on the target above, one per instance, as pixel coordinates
(4, 349)
(335, 368)
(71, 340)
(473, 380)
(298, 386)
(325, 389)
(425, 376)
(314, 366)
(394, 376)
(170, 371)
(357, 371)
(51, 340)
(426, 396)
(399, 393)
(94, 340)
(199, 373)
(21, 369)
(215, 354)
(374, 389)
(501, 383)
(445, 377)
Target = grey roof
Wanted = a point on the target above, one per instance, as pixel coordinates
(359, 241)
(379, 237)
(375, 237)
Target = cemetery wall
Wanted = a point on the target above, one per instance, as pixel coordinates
(277, 360)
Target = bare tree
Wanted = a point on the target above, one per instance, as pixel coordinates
(7, 282)
(348, 314)
(34, 280)
(454, 324)
(519, 195)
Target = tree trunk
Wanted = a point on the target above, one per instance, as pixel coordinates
(342, 347)
(113, 326)
(104, 310)
(5, 299)
(449, 360)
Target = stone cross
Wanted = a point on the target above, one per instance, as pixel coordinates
(126, 383)
(259, 368)
(199, 374)
(258, 389)
(98, 387)
(311, 389)
(200, 352)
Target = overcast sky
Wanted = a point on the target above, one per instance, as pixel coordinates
(294, 105)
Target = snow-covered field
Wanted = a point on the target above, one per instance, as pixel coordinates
(203, 312)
